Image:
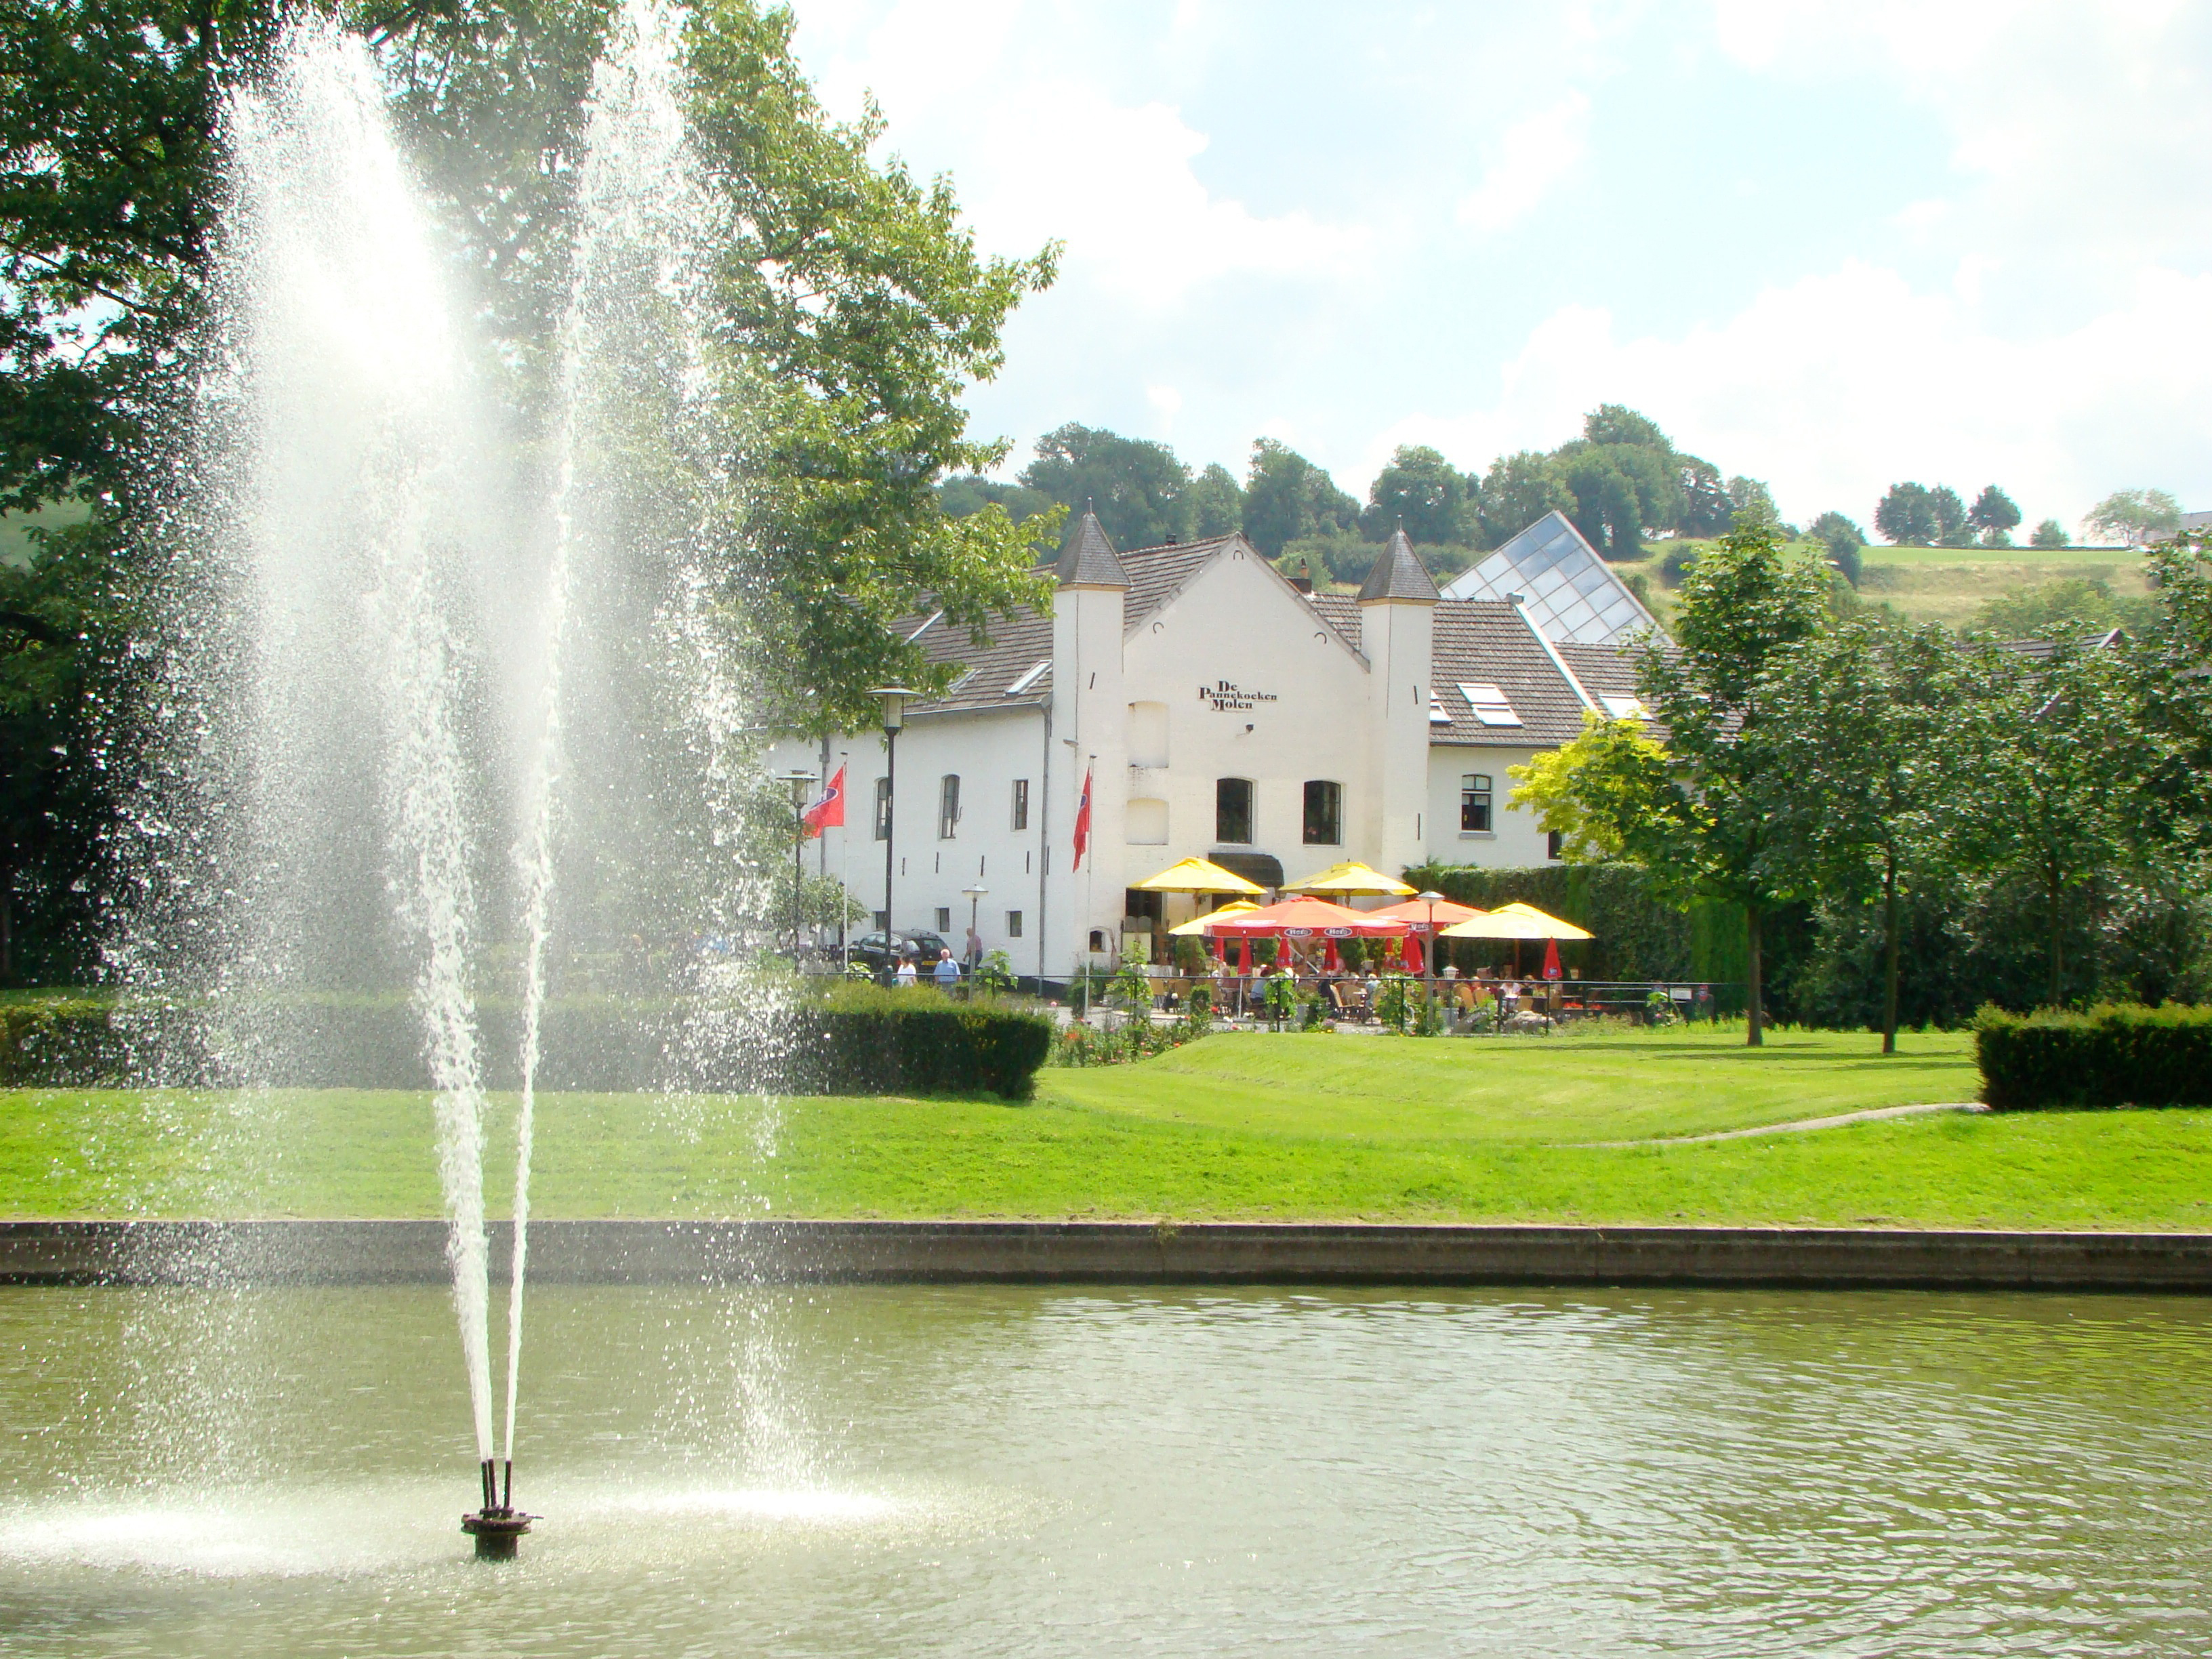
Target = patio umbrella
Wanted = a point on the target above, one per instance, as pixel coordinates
(1413, 910)
(1198, 876)
(1351, 880)
(1410, 954)
(1556, 928)
(1552, 969)
(1197, 926)
(1302, 918)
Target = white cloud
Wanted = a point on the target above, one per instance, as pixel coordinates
(1835, 386)
(1528, 163)
(1044, 153)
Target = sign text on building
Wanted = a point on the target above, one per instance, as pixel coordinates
(1227, 693)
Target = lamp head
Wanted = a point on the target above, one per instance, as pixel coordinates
(1430, 897)
(973, 892)
(894, 699)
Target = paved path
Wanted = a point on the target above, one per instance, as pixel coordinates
(1801, 1123)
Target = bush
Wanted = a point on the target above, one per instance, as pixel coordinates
(2115, 1054)
(859, 1039)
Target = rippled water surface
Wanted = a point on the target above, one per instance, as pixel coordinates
(846, 1471)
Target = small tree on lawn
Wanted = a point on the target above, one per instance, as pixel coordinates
(1858, 728)
(2057, 788)
(1693, 813)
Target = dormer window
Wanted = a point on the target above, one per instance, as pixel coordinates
(1623, 709)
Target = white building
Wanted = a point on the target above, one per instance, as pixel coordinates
(1218, 711)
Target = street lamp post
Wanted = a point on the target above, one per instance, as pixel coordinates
(894, 699)
(1431, 898)
(974, 896)
(798, 782)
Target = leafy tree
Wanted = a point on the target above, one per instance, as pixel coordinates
(1906, 517)
(1858, 783)
(1995, 515)
(1950, 513)
(1426, 494)
(1607, 507)
(2057, 791)
(2071, 607)
(1750, 501)
(1616, 423)
(2051, 533)
(1519, 489)
(1287, 496)
(1706, 509)
(1216, 504)
(2135, 515)
(965, 492)
(1135, 486)
(1696, 814)
(1845, 541)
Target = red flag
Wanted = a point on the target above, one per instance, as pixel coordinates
(1083, 820)
(829, 809)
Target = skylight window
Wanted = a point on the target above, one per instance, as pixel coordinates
(1437, 714)
(1490, 704)
(1028, 679)
(1622, 708)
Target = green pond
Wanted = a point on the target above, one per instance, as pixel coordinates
(997, 1470)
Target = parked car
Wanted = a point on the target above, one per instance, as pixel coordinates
(881, 957)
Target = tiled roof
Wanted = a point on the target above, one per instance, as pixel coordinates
(1018, 643)
(1341, 613)
(1398, 573)
(1087, 557)
(1487, 642)
(1157, 573)
(2045, 650)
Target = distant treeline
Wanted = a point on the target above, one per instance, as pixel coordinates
(1623, 483)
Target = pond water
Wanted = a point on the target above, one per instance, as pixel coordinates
(853, 1471)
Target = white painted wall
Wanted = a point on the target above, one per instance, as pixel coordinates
(1517, 840)
(1239, 623)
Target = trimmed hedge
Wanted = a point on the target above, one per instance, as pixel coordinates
(912, 1042)
(2116, 1055)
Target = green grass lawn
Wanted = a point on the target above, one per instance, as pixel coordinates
(1252, 1126)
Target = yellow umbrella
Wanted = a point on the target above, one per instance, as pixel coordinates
(1503, 923)
(1198, 876)
(1558, 929)
(1351, 880)
(1197, 926)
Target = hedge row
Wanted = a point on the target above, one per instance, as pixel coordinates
(922, 1045)
(2118, 1055)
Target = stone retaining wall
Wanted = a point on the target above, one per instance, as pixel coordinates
(1121, 1253)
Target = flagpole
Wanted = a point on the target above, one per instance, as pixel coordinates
(844, 889)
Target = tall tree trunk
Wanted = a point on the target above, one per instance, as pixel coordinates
(1755, 1012)
(7, 926)
(2052, 894)
(1889, 968)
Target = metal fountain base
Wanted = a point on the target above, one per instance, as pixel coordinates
(495, 1532)
(498, 1524)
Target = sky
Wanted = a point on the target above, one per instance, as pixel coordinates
(1829, 246)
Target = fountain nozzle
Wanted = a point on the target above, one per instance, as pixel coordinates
(498, 1524)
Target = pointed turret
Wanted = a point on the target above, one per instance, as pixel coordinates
(1087, 559)
(1397, 574)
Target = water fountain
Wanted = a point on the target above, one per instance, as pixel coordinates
(342, 524)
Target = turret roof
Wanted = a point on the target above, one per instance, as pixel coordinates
(1087, 558)
(1398, 574)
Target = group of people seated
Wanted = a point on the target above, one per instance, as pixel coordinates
(1352, 994)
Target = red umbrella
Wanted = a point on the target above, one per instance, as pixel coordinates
(1552, 959)
(1302, 918)
(1411, 948)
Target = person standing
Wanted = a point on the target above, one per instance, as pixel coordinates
(906, 975)
(975, 956)
(948, 971)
